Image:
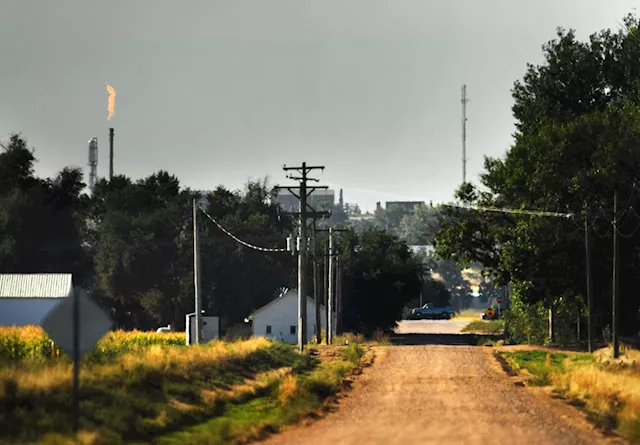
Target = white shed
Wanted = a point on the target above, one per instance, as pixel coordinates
(279, 318)
(26, 298)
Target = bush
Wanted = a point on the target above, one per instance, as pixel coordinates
(352, 353)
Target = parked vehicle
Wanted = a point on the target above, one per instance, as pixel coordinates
(429, 311)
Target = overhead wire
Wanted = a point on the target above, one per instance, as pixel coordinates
(238, 240)
(511, 211)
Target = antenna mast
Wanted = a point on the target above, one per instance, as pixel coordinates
(464, 102)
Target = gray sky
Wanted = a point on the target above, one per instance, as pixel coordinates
(218, 91)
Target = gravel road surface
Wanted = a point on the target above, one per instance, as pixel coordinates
(441, 394)
(431, 326)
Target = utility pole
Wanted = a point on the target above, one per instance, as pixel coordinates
(332, 284)
(325, 281)
(616, 279)
(339, 266)
(316, 294)
(304, 213)
(587, 243)
(464, 102)
(110, 154)
(196, 271)
(330, 293)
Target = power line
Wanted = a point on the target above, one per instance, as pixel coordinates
(511, 211)
(235, 238)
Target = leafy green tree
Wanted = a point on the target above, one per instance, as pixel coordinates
(381, 277)
(419, 227)
(41, 220)
(578, 125)
(389, 219)
(488, 291)
(435, 292)
(141, 247)
(237, 279)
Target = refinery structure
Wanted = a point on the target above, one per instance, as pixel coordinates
(93, 163)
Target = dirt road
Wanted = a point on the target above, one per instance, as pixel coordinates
(431, 326)
(442, 395)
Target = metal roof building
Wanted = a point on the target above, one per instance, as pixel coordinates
(26, 298)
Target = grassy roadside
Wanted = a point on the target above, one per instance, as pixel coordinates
(285, 402)
(485, 327)
(608, 390)
(221, 392)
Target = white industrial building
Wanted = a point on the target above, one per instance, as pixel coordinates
(26, 298)
(278, 319)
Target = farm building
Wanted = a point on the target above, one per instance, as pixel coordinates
(26, 298)
(279, 318)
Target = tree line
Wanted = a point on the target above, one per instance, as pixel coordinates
(577, 141)
(130, 243)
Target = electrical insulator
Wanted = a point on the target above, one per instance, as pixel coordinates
(290, 245)
(298, 244)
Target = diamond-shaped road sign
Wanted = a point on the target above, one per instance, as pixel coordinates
(93, 323)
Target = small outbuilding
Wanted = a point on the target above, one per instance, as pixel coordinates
(279, 318)
(26, 298)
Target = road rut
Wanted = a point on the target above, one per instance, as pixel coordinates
(442, 395)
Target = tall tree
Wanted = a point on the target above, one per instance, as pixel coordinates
(381, 277)
(140, 248)
(419, 227)
(41, 220)
(578, 128)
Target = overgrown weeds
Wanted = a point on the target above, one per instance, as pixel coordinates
(294, 396)
(485, 327)
(608, 389)
(378, 338)
(215, 393)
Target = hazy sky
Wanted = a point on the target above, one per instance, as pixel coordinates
(219, 91)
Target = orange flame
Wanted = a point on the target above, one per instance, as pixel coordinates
(111, 102)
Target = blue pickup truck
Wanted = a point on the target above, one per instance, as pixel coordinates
(429, 311)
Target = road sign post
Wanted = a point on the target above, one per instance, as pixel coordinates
(75, 325)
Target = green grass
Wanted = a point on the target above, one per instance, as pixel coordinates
(485, 327)
(378, 338)
(608, 390)
(541, 365)
(216, 393)
(259, 417)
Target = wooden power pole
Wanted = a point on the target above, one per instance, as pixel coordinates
(587, 243)
(305, 212)
(616, 280)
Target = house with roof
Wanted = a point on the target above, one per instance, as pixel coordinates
(278, 319)
(26, 298)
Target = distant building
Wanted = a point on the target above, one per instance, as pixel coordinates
(318, 199)
(26, 298)
(407, 205)
(278, 319)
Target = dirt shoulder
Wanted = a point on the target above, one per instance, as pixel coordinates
(443, 395)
